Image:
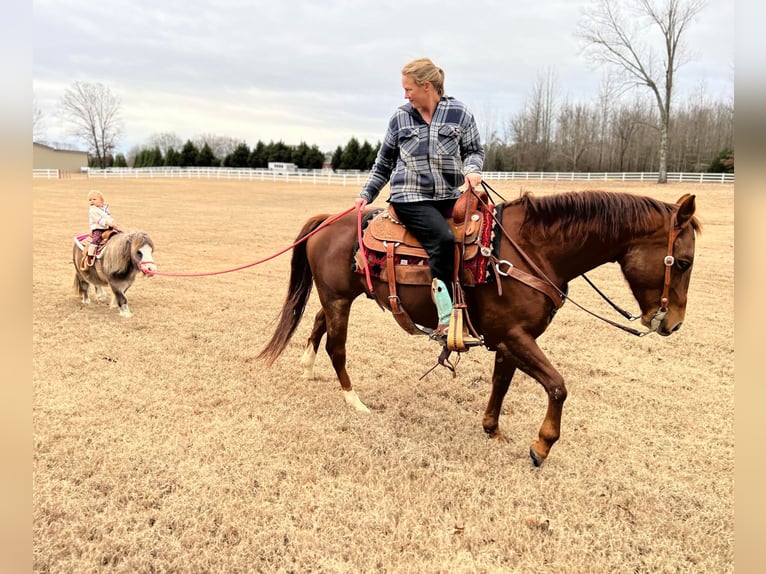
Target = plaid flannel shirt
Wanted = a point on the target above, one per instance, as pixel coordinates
(426, 161)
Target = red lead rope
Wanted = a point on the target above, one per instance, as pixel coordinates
(361, 248)
(327, 222)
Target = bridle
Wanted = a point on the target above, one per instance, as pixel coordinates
(662, 310)
(669, 261)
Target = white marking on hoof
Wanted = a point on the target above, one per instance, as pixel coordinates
(125, 312)
(307, 362)
(100, 295)
(352, 399)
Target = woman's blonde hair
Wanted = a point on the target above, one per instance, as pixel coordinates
(424, 70)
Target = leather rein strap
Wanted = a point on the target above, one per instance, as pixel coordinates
(541, 283)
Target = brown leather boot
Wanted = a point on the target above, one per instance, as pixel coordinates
(90, 257)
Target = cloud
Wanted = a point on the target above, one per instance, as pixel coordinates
(318, 72)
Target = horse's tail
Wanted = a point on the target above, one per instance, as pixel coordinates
(301, 281)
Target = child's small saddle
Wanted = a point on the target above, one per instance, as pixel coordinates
(83, 242)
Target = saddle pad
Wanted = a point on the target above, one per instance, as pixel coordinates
(79, 239)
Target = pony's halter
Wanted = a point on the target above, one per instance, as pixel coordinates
(142, 266)
(669, 261)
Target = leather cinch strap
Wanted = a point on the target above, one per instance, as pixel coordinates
(401, 316)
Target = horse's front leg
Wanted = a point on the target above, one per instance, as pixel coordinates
(502, 374)
(336, 322)
(524, 354)
(534, 363)
(312, 346)
(119, 300)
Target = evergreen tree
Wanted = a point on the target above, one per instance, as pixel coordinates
(120, 161)
(279, 151)
(300, 155)
(350, 158)
(172, 158)
(314, 158)
(337, 158)
(206, 157)
(724, 163)
(189, 155)
(239, 157)
(259, 156)
(154, 157)
(366, 156)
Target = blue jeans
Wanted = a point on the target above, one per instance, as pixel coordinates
(427, 221)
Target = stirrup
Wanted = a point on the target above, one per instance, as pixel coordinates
(458, 337)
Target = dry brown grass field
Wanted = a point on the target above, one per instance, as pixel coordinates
(162, 445)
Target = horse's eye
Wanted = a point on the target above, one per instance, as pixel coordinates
(683, 264)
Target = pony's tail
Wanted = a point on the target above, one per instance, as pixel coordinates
(301, 282)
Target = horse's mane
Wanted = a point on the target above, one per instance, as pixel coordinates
(578, 214)
(119, 257)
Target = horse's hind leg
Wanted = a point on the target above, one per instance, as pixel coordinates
(336, 322)
(82, 288)
(100, 293)
(312, 346)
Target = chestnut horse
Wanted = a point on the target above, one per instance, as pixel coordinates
(554, 238)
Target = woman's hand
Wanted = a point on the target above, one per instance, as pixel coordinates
(473, 180)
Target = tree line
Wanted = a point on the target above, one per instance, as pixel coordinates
(650, 133)
(610, 135)
(166, 150)
(546, 135)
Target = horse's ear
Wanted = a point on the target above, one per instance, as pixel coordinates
(686, 207)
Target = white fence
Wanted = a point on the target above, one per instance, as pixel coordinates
(46, 174)
(359, 177)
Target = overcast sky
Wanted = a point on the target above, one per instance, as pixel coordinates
(322, 71)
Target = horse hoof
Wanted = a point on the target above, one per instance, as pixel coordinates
(537, 460)
(352, 399)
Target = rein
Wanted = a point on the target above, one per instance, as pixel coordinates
(658, 316)
(324, 224)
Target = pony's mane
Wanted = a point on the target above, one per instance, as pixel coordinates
(606, 214)
(120, 257)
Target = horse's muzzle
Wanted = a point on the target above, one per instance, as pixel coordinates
(148, 268)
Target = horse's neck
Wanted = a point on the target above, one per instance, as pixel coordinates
(562, 258)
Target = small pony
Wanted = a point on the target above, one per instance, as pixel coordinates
(123, 256)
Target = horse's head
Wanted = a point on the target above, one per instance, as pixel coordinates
(141, 252)
(658, 268)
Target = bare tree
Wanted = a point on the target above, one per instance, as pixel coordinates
(95, 116)
(37, 121)
(616, 39)
(576, 131)
(532, 128)
(221, 146)
(165, 141)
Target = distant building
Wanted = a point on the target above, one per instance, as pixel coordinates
(64, 160)
(282, 167)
